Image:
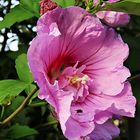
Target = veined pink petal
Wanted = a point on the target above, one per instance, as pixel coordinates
(107, 65)
(121, 104)
(101, 107)
(79, 129)
(107, 131)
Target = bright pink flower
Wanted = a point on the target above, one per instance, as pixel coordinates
(113, 18)
(78, 64)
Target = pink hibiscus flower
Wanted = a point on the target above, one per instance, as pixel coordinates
(77, 63)
(113, 18)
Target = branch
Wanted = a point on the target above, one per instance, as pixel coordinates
(134, 77)
(37, 104)
(19, 109)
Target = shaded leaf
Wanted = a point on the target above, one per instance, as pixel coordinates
(19, 131)
(31, 5)
(9, 88)
(128, 6)
(23, 70)
(25, 10)
(65, 3)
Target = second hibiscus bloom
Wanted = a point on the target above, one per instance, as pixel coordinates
(112, 18)
(77, 63)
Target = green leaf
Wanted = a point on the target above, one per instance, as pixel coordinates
(25, 10)
(19, 131)
(9, 88)
(65, 3)
(23, 70)
(15, 15)
(32, 6)
(128, 6)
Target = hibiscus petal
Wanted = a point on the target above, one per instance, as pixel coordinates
(42, 52)
(38, 65)
(106, 66)
(79, 129)
(100, 108)
(121, 104)
(106, 131)
(78, 29)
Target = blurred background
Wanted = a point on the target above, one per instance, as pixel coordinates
(14, 41)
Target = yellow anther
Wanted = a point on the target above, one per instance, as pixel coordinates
(116, 122)
(84, 79)
(76, 80)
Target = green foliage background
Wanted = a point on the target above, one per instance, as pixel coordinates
(35, 121)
